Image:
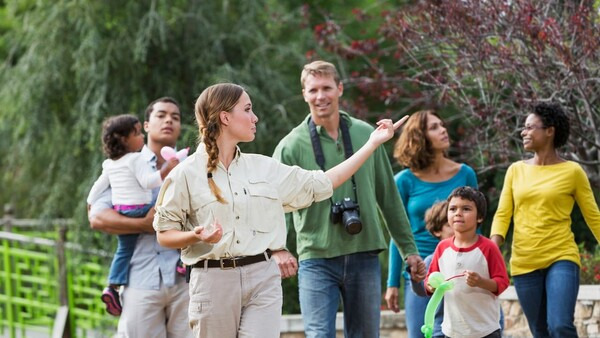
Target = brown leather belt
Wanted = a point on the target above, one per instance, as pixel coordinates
(230, 263)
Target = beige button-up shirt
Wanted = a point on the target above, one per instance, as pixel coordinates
(258, 191)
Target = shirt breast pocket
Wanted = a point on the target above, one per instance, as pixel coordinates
(205, 209)
(264, 208)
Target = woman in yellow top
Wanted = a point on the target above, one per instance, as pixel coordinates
(539, 194)
(225, 209)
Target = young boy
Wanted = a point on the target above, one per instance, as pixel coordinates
(471, 308)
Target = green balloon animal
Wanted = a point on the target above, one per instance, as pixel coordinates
(441, 285)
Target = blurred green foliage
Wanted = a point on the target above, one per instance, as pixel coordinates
(70, 64)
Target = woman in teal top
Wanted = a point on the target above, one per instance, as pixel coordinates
(429, 178)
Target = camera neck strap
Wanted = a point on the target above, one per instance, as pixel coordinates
(318, 150)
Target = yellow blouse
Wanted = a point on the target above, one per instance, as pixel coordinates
(540, 199)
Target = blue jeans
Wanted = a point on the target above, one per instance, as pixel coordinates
(548, 298)
(357, 279)
(414, 312)
(119, 268)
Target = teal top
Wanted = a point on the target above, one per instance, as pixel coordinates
(418, 196)
(317, 236)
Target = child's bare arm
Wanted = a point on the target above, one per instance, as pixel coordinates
(418, 288)
(474, 279)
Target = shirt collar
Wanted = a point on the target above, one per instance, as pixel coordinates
(343, 115)
(238, 152)
(148, 155)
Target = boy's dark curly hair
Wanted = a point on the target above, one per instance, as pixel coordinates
(552, 115)
(114, 130)
(473, 195)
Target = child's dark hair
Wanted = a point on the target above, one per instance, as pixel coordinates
(473, 195)
(552, 115)
(436, 217)
(114, 129)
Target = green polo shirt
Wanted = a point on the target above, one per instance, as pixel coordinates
(317, 236)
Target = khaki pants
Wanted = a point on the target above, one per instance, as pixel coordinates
(241, 302)
(155, 313)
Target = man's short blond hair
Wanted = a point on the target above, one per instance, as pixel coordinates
(319, 68)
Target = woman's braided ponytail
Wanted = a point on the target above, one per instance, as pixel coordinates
(210, 104)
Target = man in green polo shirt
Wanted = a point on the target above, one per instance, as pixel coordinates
(335, 260)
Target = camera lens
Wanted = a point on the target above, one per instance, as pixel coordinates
(352, 222)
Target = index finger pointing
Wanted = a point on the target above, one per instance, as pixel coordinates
(400, 122)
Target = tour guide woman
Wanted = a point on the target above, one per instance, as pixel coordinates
(225, 210)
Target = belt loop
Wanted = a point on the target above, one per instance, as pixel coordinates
(206, 265)
(266, 253)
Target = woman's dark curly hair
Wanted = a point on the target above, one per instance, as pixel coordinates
(114, 130)
(552, 115)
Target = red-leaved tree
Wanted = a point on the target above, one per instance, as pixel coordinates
(486, 62)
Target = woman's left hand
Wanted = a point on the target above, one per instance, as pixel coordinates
(391, 298)
(385, 130)
(207, 236)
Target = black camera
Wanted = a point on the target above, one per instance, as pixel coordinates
(346, 212)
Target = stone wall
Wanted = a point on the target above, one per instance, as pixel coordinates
(587, 318)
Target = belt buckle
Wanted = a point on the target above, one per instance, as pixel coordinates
(227, 267)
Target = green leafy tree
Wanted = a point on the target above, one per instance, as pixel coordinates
(70, 64)
(67, 65)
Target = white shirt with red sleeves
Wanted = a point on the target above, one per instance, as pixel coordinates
(470, 311)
